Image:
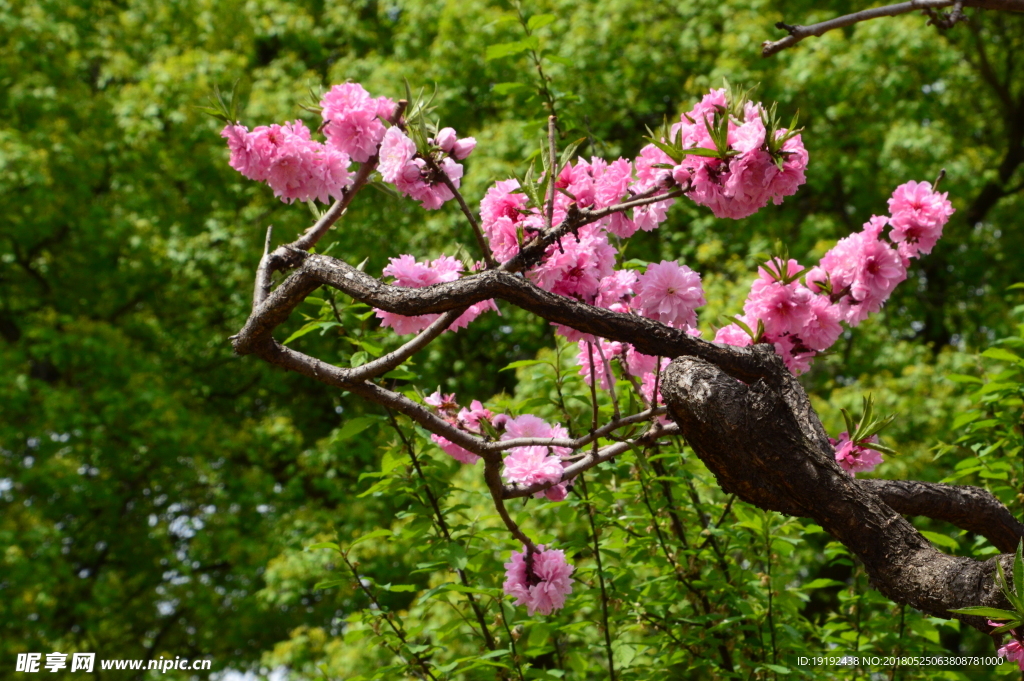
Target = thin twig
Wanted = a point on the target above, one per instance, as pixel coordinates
(798, 33)
(443, 527)
(424, 669)
(600, 579)
(481, 242)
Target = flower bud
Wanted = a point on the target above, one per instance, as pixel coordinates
(463, 148)
(445, 139)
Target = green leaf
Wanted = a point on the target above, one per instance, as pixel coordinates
(375, 534)
(353, 427)
(402, 374)
(330, 583)
(524, 363)
(1013, 624)
(963, 419)
(568, 152)
(1018, 570)
(778, 669)
(309, 328)
(457, 557)
(821, 583)
(539, 21)
(672, 151)
(940, 539)
(508, 88)
(991, 613)
(1002, 355)
(400, 588)
(963, 378)
(324, 545)
(508, 49)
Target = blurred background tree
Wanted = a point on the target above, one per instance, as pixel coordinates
(156, 492)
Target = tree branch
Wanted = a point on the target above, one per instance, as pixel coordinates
(970, 508)
(647, 336)
(798, 33)
(764, 443)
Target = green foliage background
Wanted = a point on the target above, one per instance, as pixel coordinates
(157, 493)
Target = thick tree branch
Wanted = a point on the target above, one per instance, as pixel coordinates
(764, 443)
(970, 508)
(647, 336)
(798, 33)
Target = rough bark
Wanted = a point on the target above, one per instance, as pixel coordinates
(764, 443)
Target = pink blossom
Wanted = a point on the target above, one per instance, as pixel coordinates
(578, 268)
(445, 404)
(578, 180)
(284, 156)
(501, 213)
(544, 587)
(670, 293)
(1013, 651)
(638, 363)
(864, 268)
(741, 184)
(616, 288)
(455, 451)
(246, 158)
(733, 334)
(854, 458)
(797, 360)
(469, 419)
(821, 329)
(445, 139)
(528, 425)
(601, 366)
(647, 175)
(918, 216)
(611, 185)
(410, 273)
(463, 148)
(782, 308)
(352, 120)
(533, 464)
(396, 151)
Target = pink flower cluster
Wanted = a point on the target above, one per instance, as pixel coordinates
(1013, 649)
(853, 457)
(403, 166)
(286, 158)
(465, 419)
(918, 215)
(742, 183)
(410, 273)
(535, 464)
(852, 281)
(353, 120)
(541, 586)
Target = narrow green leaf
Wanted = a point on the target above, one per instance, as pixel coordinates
(991, 613)
(1018, 570)
(330, 583)
(323, 545)
(507, 88)
(568, 152)
(673, 152)
(524, 363)
(353, 427)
